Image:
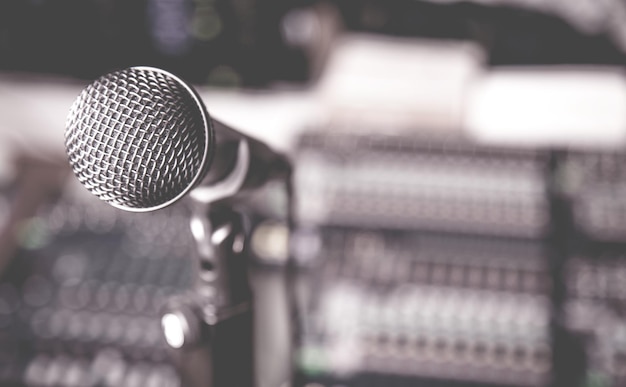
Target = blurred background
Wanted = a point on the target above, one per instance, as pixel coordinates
(460, 207)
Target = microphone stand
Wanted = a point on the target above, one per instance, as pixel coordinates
(210, 329)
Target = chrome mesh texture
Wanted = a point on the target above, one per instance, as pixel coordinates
(136, 138)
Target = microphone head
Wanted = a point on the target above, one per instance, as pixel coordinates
(139, 138)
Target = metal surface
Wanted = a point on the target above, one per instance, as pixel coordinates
(139, 138)
(231, 184)
(210, 329)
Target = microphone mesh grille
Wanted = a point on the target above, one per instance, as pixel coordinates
(137, 138)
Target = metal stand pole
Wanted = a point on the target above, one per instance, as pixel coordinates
(210, 330)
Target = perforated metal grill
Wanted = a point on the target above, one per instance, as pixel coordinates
(138, 138)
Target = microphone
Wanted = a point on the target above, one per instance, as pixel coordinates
(141, 139)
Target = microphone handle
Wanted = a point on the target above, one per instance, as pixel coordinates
(265, 164)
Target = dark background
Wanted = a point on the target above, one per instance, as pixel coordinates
(242, 43)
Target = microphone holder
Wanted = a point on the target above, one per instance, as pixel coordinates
(210, 328)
